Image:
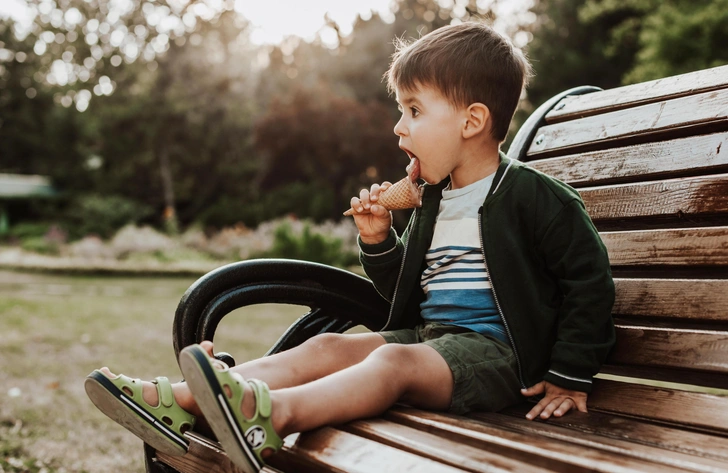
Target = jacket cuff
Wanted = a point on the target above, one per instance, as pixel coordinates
(384, 250)
(569, 382)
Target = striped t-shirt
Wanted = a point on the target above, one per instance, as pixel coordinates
(456, 283)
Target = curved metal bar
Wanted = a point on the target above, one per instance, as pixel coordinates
(522, 141)
(338, 299)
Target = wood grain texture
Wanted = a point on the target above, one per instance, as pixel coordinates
(438, 447)
(202, 455)
(710, 108)
(691, 451)
(637, 94)
(690, 349)
(697, 410)
(693, 299)
(684, 198)
(533, 449)
(706, 246)
(703, 154)
(330, 449)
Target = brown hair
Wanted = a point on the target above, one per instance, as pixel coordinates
(467, 63)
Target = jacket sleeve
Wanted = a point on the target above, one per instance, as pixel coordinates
(575, 254)
(382, 261)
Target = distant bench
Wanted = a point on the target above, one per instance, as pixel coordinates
(650, 162)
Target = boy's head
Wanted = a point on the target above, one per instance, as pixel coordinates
(468, 63)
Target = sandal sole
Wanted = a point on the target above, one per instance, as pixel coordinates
(120, 408)
(212, 401)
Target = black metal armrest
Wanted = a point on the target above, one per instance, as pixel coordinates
(337, 299)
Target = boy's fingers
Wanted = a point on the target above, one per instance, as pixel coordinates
(374, 192)
(551, 407)
(566, 405)
(533, 390)
(379, 211)
(364, 197)
(537, 409)
(581, 404)
(356, 204)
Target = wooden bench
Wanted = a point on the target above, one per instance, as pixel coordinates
(650, 161)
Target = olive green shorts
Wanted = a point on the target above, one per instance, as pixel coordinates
(484, 369)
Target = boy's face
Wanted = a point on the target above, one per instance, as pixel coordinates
(430, 129)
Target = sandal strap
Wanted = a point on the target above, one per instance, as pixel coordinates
(164, 389)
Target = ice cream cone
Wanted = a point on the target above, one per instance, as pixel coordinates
(403, 194)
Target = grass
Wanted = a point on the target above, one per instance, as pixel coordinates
(57, 329)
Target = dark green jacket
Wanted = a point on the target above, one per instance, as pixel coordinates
(548, 268)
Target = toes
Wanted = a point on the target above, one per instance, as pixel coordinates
(107, 372)
(207, 346)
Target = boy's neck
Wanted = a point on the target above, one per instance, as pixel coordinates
(475, 165)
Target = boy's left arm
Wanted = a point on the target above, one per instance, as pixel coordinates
(577, 258)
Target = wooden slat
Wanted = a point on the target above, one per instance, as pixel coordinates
(686, 380)
(645, 92)
(202, 455)
(700, 411)
(694, 155)
(694, 299)
(710, 108)
(530, 448)
(691, 349)
(691, 451)
(329, 449)
(685, 197)
(684, 247)
(438, 447)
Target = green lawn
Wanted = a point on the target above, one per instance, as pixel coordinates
(57, 329)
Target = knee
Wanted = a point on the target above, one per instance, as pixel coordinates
(325, 343)
(394, 354)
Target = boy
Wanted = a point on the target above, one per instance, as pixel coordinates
(454, 343)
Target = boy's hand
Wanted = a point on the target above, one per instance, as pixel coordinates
(372, 220)
(557, 400)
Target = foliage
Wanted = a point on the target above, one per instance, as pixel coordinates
(40, 245)
(308, 246)
(609, 43)
(103, 215)
(187, 119)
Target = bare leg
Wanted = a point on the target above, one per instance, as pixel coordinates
(314, 359)
(415, 374)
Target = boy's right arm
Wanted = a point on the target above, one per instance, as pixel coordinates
(381, 249)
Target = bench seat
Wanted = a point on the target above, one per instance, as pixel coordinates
(650, 161)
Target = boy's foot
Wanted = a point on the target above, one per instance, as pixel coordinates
(238, 411)
(137, 407)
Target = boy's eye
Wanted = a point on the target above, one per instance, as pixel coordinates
(414, 111)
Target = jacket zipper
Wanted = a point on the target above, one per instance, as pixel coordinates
(495, 297)
(401, 268)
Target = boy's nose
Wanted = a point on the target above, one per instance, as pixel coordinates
(399, 128)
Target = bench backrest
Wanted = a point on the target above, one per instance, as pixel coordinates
(650, 161)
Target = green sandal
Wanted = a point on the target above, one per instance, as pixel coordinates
(219, 395)
(161, 426)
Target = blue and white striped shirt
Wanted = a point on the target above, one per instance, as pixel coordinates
(455, 282)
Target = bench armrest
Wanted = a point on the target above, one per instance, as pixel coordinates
(338, 300)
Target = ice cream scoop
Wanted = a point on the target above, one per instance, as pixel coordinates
(403, 194)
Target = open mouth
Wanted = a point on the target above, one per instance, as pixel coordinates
(413, 169)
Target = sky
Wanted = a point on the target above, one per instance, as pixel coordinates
(304, 19)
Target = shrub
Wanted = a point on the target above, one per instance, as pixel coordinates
(103, 215)
(40, 245)
(308, 246)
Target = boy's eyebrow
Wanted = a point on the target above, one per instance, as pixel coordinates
(407, 100)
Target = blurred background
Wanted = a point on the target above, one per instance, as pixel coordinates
(167, 137)
(203, 115)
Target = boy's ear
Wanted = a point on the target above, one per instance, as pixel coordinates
(477, 120)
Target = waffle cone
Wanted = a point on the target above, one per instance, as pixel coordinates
(403, 194)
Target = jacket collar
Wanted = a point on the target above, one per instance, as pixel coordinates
(504, 168)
